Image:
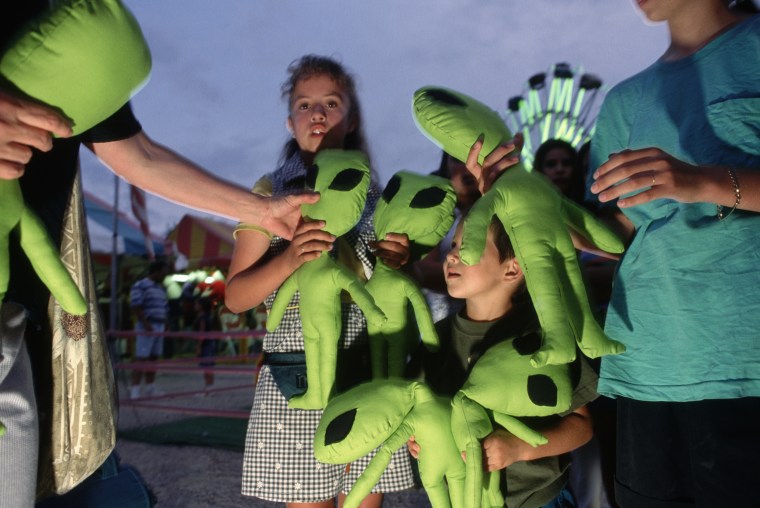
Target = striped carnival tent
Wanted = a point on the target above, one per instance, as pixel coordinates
(100, 223)
(203, 241)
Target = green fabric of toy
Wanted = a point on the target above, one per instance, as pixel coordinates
(385, 413)
(423, 208)
(504, 385)
(16, 218)
(342, 180)
(536, 218)
(84, 57)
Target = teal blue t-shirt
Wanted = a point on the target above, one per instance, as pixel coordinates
(686, 297)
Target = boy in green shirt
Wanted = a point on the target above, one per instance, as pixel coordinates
(498, 308)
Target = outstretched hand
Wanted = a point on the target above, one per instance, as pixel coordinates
(499, 160)
(650, 172)
(284, 213)
(25, 125)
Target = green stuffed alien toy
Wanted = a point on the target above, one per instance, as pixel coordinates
(85, 59)
(536, 218)
(386, 413)
(502, 386)
(342, 178)
(66, 60)
(423, 208)
(44, 256)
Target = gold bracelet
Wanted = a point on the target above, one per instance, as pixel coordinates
(737, 193)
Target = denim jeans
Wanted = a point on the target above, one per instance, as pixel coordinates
(564, 499)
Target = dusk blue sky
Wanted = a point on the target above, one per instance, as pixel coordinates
(214, 93)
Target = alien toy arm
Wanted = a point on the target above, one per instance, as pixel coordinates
(519, 429)
(470, 424)
(281, 301)
(47, 263)
(38, 247)
(374, 470)
(428, 333)
(346, 280)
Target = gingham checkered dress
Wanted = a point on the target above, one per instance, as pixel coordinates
(279, 463)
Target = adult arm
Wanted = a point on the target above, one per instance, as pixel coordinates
(24, 126)
(656, 174)
(161, 171)
(502, 449)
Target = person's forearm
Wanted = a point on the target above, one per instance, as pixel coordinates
(573, 431)
(161, 171)
(248, 288)
(719, 188)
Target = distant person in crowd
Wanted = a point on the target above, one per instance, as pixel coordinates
(150, 308)
(206, 321)
(558, 161)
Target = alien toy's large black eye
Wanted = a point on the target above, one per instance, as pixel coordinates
(340, 427)
(527, 344)
(428, 198)
(445, 97)
(542, 390)
(311, 176)
(394, 184)
(347, 180)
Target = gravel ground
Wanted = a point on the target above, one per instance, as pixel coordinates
(200, 476)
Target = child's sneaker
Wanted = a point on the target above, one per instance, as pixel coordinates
(134, 392)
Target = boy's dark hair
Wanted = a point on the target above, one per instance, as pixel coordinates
(501, 240)
(314, 65)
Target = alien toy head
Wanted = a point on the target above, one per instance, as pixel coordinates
(421, 206)
(342, 178)
(504, 380)
(356, 422)
(66, 58)
(454, 121)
